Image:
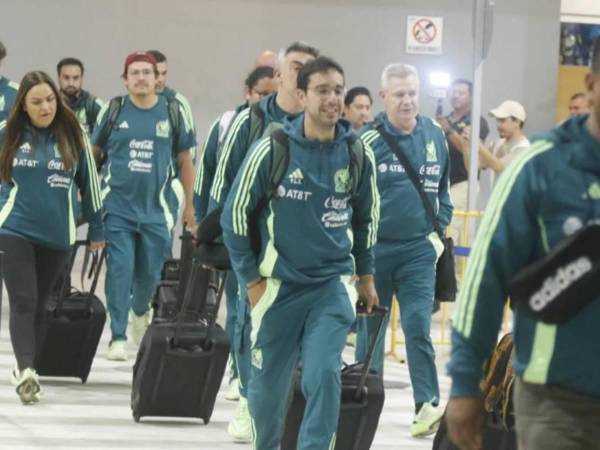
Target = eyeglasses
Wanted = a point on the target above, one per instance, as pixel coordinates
(325, 91)
(144, 73)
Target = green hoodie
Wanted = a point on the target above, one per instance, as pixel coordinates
(38, 203)
(544, 195)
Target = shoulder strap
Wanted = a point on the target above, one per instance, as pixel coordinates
(112, 113)
(90, 101)
(412, 175)
(356, 150)
(173, 112)
(114, 108)
(280, 158)
(225, 122)
(257, 123)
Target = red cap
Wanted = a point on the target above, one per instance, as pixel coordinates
(139, 56)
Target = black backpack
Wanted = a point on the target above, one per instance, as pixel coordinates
(89, 105)
(114, 108)
(210, 228)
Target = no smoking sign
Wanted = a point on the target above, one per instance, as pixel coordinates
(424, 35)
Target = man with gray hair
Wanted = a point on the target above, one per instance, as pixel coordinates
(249, 126)
(8, 90)
(407, 246)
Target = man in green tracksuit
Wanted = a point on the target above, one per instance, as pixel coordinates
(316, 232)
(85, 105)
(546, 194)
(8, 90)
(407, 247)
(259, 84)
(140, 148)
(246, 129)
(177, 192)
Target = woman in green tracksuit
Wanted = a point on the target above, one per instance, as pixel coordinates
(45, 156)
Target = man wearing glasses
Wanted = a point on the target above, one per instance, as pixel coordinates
(140, 145)
(324, 217)
(248, 127)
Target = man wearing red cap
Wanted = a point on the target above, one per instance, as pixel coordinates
(140, 141)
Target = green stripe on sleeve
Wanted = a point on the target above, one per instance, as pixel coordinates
(224, 157)
(469, 294)
(242, 197)
(375, 206)
(200, 172)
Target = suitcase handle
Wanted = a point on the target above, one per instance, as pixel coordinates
(186, 263)
(189, 292)
(381, 311)
(92, 290)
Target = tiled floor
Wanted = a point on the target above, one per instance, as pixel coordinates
(97, 415)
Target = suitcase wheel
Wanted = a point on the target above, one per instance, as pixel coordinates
(136, 417)
(205, 420)
(83, 379)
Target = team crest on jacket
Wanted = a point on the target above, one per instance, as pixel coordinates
(56, 151)
(162, 128)
(430, 152)
(594, 191)
(342, 181)
(2, 102)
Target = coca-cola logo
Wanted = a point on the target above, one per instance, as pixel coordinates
(54, 164)
(141, 145)
(336, 203)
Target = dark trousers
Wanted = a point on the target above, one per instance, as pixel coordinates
(555, 418)
(30, 271)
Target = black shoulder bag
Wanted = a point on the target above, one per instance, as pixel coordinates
(445, 277)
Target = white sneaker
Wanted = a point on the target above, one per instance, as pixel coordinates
(427, 420)
(28, 387)
(117, 351)
(15, 376)
(240, 427)
(138, 326)
(233, 391)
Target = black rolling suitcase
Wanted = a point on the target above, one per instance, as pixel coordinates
(175, 272)
(73, 327)
(171, 270)
(181, 362)
(361, 404)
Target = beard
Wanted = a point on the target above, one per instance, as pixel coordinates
(71, 94)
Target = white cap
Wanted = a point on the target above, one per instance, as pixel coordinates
(509, 108)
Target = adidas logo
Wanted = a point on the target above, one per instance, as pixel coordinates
(25, 148)
(296, 177)
(124, 124)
